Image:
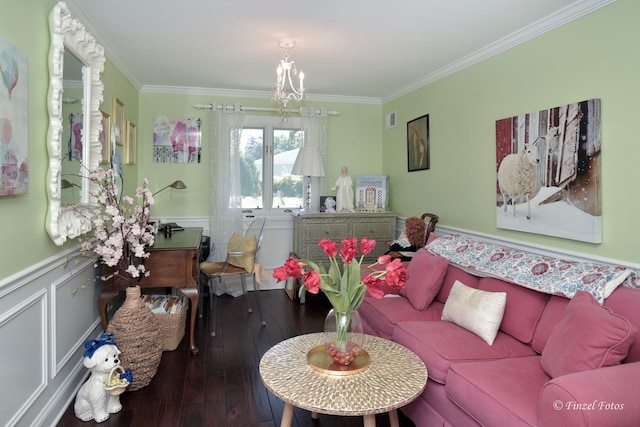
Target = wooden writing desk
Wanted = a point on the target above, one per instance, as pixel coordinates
(173, 262)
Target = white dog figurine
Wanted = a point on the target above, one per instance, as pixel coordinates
(93, 401)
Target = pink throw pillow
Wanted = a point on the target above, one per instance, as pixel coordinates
(589, 336)
(426, 272)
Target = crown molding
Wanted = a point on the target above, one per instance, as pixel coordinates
(259, 94)
(569, 13)
(555, 20)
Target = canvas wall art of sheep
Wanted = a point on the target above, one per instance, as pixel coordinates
(548, 172)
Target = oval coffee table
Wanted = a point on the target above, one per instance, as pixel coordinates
(394, 377)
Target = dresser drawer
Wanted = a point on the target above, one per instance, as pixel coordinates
(374, 229)
(335, 231)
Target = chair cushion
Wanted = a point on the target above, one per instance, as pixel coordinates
(589, 336)
(475, 310)
(238, 243)
(215, 268)
(426, 273)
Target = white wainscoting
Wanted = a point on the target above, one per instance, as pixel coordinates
(43, 325)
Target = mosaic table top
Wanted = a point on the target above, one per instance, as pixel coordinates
(395, 377)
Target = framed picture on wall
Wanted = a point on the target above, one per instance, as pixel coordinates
(105, 138)
(418, 144)
(130, 148)
(118, 121)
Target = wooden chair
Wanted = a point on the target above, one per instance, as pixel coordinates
(238, 263)
(431, 225)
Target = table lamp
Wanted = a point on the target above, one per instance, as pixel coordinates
(308, 164)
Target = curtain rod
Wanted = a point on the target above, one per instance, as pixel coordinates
(271, 109)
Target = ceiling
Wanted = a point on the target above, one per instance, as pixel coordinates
(348, 49)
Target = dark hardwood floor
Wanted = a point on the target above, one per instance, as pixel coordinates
(221, 386)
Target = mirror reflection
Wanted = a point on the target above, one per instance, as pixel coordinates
(72, 118)
(76, 62)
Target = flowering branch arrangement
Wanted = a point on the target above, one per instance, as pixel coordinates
(122, 232)
(345, 289)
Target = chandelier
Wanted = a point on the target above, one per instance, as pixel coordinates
(284, 90)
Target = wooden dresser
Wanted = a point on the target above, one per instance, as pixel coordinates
(309, 229)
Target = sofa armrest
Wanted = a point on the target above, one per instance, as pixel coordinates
(598, 397)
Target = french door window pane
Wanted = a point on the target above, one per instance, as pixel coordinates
(267, 154)
(287, 188)
(251, 167)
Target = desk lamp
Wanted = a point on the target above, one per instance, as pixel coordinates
(178, 185)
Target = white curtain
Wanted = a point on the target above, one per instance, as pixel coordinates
(225, 198)
(314, 124)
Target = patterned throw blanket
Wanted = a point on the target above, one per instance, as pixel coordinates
(544, 274)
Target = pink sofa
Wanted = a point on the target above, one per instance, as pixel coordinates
(584, 372)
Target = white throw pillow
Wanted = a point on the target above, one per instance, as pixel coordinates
(477, 311)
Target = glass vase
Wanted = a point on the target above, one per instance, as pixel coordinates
(343, 336)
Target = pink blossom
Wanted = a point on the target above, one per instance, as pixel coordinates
(328, 247)
(349, 249)
(312, 281)
(367, 245)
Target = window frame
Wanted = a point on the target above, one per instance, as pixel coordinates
(269, 125)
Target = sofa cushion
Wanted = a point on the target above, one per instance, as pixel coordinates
(440, 344)
(475, 310)
(453, 274)
(625, 302)
(551, 315)
(523, 309)
(589, 336)
(498, 392)
(426, 273)
(382, 314)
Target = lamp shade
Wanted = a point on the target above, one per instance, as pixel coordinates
(178, 185)
(308, 162)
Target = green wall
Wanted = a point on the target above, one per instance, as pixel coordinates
(24, 240)
(23, 236)
(354, 138)
(592, 57)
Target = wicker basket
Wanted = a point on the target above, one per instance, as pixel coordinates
(114, 384)
(171, 327)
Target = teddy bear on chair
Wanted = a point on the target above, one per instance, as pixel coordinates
(94, 401)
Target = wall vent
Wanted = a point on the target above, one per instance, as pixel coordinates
(390, 120)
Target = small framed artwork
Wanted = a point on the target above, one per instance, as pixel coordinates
(118, 121)
(328, 204)
(130, 148)
(105, 138)
(418, 157)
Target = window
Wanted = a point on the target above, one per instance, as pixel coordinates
(268, 149)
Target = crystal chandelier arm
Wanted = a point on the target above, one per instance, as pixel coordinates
(285, 69)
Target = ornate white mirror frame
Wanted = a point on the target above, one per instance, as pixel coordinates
(67, 33)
